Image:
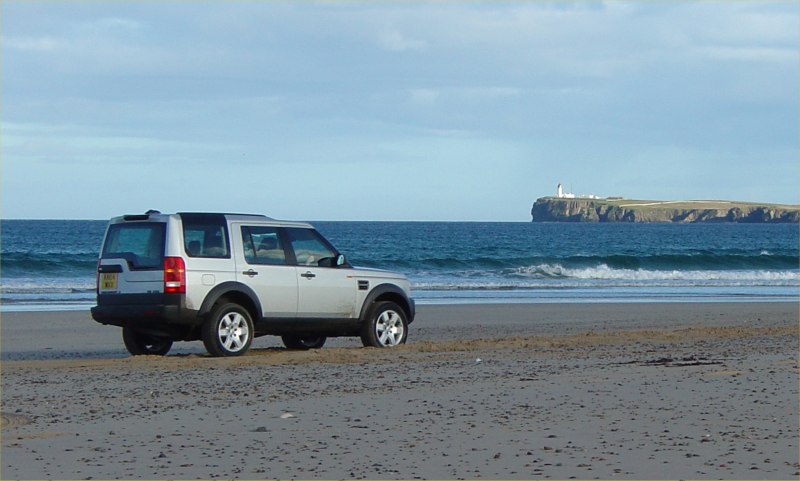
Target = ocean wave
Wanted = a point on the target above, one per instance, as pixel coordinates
(47, 286)
(557, 276)
(46, 290)
(47, 300)
(697, 260)
(608, 286)
(14, 264)
(606, 272)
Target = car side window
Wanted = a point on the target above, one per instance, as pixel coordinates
(262, 245)
(205, 238)
(310, 249)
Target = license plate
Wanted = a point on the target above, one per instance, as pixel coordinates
(108, 281)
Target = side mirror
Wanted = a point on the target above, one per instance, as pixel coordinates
(340, 260)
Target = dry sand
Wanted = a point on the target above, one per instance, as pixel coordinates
(515, 391)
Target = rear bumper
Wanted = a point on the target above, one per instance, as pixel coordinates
(139, 310)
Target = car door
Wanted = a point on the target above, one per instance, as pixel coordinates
(324, 290)
(132, 259)
(262, 265)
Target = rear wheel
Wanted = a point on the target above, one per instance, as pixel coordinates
(228, 331)
(139, 343)
(385, 326)
(303, 342)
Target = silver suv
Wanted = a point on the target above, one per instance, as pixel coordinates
(228, 278)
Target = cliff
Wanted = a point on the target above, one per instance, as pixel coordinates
(554, 209)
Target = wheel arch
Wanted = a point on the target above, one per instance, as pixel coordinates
(233, 292)
(388, 292)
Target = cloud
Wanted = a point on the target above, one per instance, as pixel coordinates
(427, 96)
(747, 24)
(395, 41)
(32, 144)
(118, 24)
(424, 96)
(488, 93)
(32, 44)
(751, 54)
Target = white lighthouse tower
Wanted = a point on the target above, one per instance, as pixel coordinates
(561, 195)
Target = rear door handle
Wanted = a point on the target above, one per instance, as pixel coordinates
(308, 275)
(109, 268)
(250, 272)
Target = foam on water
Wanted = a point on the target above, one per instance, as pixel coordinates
(603, 271)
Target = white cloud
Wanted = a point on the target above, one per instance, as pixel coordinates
(424, 96)
(428, 96)
(751, 54)
(746, 24)
(395, 41)
(32, 44)
(489, 92)
(118, 23)
(30, 144)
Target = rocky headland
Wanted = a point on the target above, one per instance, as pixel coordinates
(555, 209)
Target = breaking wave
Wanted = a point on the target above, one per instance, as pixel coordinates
(605, 272)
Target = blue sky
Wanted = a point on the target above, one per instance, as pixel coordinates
(393, 111)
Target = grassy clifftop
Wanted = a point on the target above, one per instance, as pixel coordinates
(554, 209)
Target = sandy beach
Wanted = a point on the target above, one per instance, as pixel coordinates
(506, 391)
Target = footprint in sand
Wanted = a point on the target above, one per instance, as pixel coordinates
(11, 420)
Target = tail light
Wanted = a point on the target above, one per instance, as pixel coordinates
(174, 275)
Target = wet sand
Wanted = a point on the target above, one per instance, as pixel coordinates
(512, 391)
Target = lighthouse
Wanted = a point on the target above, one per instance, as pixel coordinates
(561, 195)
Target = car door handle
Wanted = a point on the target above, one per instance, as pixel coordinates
(109, 268)
(250, 272)
(308, 275)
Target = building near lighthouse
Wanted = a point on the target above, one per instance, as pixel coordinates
(569, 195)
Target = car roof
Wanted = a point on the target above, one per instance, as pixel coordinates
(232, 217)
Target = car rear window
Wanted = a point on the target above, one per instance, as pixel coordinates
(140, 243)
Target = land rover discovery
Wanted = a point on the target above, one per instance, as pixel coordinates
(228, 278)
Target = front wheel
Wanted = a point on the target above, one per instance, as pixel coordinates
(140, 344)
(385, 326)
(228, 331)
(303, 342)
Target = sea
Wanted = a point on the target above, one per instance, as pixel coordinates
(50, 264)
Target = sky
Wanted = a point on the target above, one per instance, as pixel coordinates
(450, 111)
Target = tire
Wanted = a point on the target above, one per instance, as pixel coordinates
(140, 344)
(228, 331)
(386, 326)
(303, 342)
